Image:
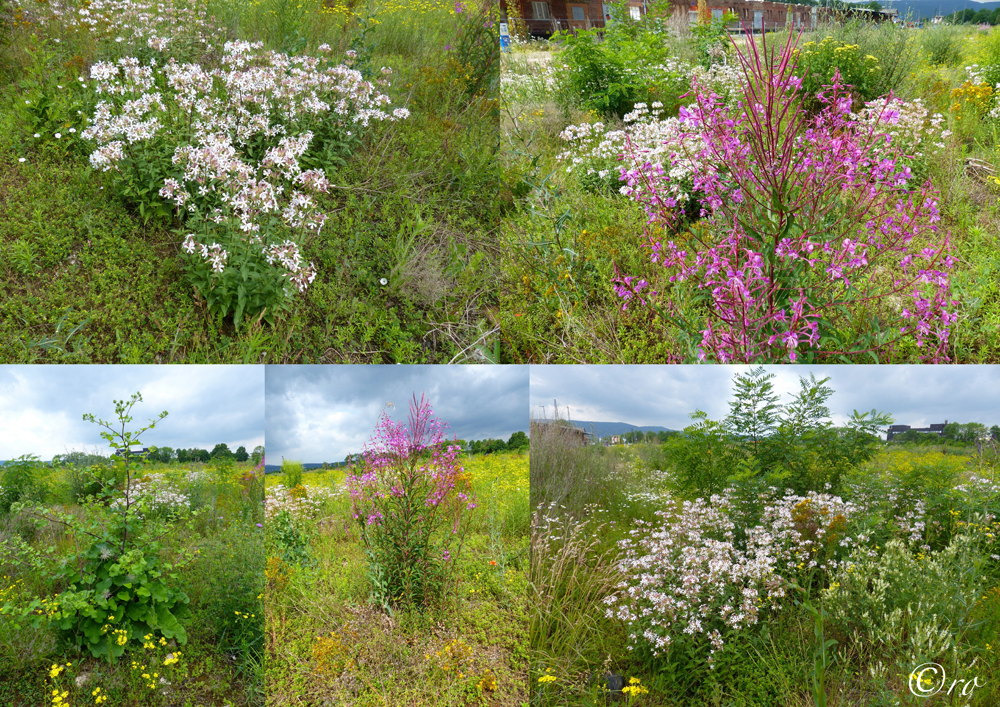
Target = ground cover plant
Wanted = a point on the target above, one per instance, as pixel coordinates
(307, 177)
(766, 558)
(131, 582)
(399, 578)
(649, 228)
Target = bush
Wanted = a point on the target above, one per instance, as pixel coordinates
(817, 63)
(912, 607)
(244, 184)
(612, 75)
(21, 481)
(942, 44)
(291, 473)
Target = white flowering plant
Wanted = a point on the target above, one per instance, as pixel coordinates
(697, 577)
(906, 601)
(239, 154)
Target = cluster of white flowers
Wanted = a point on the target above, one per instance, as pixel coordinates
(692, 576)
(911, 129)
(155, 493)
(301, 505)
(531, 81)
(726, 81)
(647, 141)
(212, 116)
(151, 24)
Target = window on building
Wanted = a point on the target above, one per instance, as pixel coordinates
(578, 14)
(540, 11)
(635, 12)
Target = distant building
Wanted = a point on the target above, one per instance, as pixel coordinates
(542, 18)
(131, 452)
(577, 434)
(900, 429)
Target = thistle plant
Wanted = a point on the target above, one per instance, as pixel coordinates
(413, 503)
(817, 248)
(117, 586)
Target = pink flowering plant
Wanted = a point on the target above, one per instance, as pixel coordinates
(819, 245)
(239, 154)
(413, 503)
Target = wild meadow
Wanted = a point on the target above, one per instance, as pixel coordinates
(254, 180)
(400, 579)
(684, 195)
(128, 582)
(767, 558)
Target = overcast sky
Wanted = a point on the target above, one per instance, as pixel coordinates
(666, 395)
(42, 407)
(323, 413)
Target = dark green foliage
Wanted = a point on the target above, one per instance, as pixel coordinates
(230, 575)
(292, 542)
(21, 480)
(790, 446)
(221, 451)
(115, 591)
(518, 440)
(606, 75)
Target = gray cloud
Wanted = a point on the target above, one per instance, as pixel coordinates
(666, 395)
(42, 407)
(324, 413)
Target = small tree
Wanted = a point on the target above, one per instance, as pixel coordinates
(116, 587)
(257, 454)
(241, 454)
(518, 440)
(221, 451)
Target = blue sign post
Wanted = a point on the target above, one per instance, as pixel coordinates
(504, 37)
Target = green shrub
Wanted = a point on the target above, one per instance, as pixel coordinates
(21, 480)
(612, 75)
(818, 61)
(899, 604)
(291, 473)
(942, 44)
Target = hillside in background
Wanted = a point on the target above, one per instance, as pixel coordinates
(603, 429)
(929, 8)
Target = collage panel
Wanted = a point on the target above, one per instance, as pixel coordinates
(750, 182)
(397, 524)
(775, 535)
(272, 181)
(131, 536)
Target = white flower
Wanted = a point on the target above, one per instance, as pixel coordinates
(58, 135)
(37, 135)
(383, 282)
(22, 159)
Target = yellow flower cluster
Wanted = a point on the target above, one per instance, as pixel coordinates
(98, 697)
(970, 96)
(453, 658)
(331, 654)
(56, 669)
(487, 683)
(635, 688)
(172, 658)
